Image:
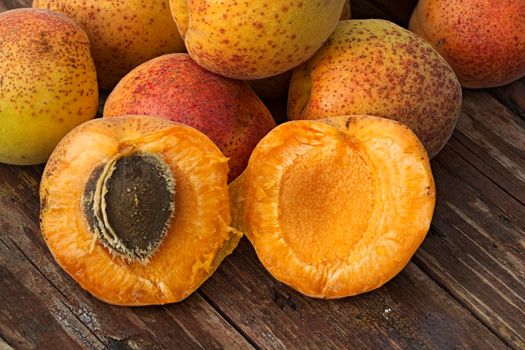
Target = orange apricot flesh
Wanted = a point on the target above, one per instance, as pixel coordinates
(95, 247)
(335, 207)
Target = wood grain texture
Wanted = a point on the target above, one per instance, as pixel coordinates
(409, 312)
(476, 246)
(512, 96)
(13, 4)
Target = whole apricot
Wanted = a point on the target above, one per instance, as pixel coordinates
(483, 40)
(175, 87)
(123, 34)
(378, 68)
(48, 83)
(254, 39)
(278, 85)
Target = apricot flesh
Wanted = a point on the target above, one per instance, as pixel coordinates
(376, 67)
(48, 83)
(175, 87)
(123, 34)
(335, 207)
(483, 40)
(197, 238)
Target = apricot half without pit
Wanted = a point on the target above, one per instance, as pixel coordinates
(136, 209)
(335, 207)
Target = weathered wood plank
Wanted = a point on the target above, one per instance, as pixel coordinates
(476, 248)
(57, 301)
(512, 96)
(409, 312)
(13, 4)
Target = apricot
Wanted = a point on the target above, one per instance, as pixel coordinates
(254, 39)
(335, 207)
(173, 86)
(123, 34)
(136, 209)
(376, 67)
(483, 40)
(48, 83)
(277, 86)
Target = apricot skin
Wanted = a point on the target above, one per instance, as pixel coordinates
(277, 86)
(123, 34)
(378, 68)
(483, 40)
(254, 39)
(48, 83)
(173, 86)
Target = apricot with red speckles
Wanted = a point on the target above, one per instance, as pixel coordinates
(123, 34)
(375, 67)
(254, 39)
(277, 86)
(48, 83)
(483, 40)
(175, 87)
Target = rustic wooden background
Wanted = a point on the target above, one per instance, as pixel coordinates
(465, 287)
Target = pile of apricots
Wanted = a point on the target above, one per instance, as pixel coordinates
(141, 205)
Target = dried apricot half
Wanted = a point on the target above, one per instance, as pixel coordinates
(136, 209)
(335, 207)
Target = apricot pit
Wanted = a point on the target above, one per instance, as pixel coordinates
(129, 202)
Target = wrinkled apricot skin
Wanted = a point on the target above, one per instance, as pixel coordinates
(335, 207)
(197, 240)
(48, 83)
(123, 34)
(483, 40)
(175, 87)
(378, 68)
(254, 39)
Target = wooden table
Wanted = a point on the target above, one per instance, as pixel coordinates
(465, 287)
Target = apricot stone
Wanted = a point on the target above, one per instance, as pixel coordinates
(377, 68)
(175, 87)
(48, 83)
(123, 34)
(254, 39)
(483, 40)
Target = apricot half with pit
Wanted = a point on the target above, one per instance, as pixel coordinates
(335, 207)
(136, 209)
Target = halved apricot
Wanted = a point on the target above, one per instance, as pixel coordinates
(335, 207)
(136, 209)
